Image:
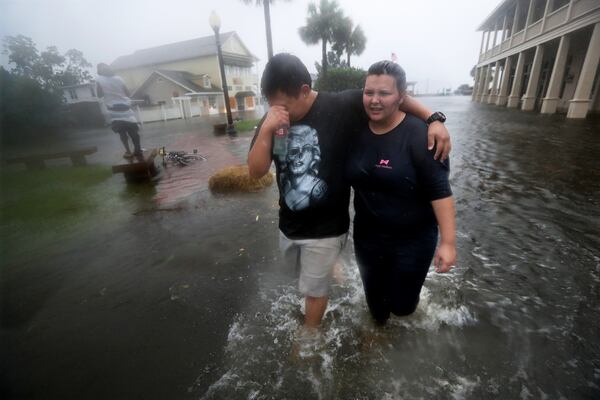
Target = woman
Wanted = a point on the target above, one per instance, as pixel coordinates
(401, 195)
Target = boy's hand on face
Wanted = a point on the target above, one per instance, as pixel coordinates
(277, 117)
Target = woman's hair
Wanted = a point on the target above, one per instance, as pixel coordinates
(392, 69)
(286, 73)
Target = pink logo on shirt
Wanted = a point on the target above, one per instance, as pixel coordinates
(383, 164)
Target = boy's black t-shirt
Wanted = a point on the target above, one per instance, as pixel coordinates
(313, 192)
(395, 178)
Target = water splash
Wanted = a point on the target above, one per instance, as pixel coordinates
(268, 358)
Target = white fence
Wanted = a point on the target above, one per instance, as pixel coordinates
(184, 107)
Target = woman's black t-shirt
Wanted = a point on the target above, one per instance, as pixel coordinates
(395, 178)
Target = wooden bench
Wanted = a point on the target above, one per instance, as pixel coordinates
(36, 161)
(138, 169)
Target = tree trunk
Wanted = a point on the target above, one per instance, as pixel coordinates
(324, 56)
(268, 29)
(348, 54)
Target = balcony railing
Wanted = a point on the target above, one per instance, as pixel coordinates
(553, 20)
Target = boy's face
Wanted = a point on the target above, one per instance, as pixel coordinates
(295, 106)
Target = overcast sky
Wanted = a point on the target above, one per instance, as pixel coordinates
(435, 40)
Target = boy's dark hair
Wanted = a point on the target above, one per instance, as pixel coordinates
(286, 73)
(392, 69)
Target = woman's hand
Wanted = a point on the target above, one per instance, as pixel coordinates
(437, 133)
(445, 258)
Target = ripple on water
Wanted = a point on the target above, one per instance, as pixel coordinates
(261, 350)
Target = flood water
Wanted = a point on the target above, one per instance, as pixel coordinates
(518, 317)
(191, 301)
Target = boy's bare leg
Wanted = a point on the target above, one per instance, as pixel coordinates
(314, 310)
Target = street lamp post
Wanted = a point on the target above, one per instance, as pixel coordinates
(215, 24)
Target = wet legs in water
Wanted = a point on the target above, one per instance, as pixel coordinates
(314, 309)
(393, 274)
(128, 128)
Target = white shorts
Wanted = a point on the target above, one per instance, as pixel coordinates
(315, 258)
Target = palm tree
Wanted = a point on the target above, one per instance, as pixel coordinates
(349, 40)
(321, 23)
(267, 9)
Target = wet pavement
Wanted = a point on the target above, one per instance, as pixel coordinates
(169, 291)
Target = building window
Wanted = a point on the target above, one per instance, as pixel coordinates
(229, 87)
(73, 94)
(206, 81)
(538, 10)
(522, 18)
(556, 4)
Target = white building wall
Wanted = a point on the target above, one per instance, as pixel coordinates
(574, 19)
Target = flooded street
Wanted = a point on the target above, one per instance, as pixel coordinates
(159, 293)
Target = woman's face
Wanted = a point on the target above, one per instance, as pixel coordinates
(381, 98)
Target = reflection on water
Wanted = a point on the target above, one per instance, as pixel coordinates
(518, 318)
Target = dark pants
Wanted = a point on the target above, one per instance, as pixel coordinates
(393, 270)
(124, 128)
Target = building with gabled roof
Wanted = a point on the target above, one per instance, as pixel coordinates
(191, 68)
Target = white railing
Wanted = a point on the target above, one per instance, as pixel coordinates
(182, 108)
(556, 18)
(534, 29)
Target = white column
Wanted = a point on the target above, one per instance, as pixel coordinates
(569, 10)
(513, 99)
(494, 92)
(495, 34)
(481, 46)
(476, 84)
(529, 14)
(164, 114)
(503, 30)
(550, 102)
(486, 84)
(548, 2)
(534, 80)
(580, 104)
(487, 42)
(139, 114)
(480, 88)
(515, 20)
(503, 94)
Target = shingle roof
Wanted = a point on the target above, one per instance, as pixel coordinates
(187, 49)
(181, 78)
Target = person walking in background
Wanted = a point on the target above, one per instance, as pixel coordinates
(313, 192)
(401, 195)
(123, 121)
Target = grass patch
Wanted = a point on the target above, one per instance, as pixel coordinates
(45, 196)
(246, 125)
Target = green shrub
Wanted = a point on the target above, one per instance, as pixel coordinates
(26, 108)
(339, 79)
